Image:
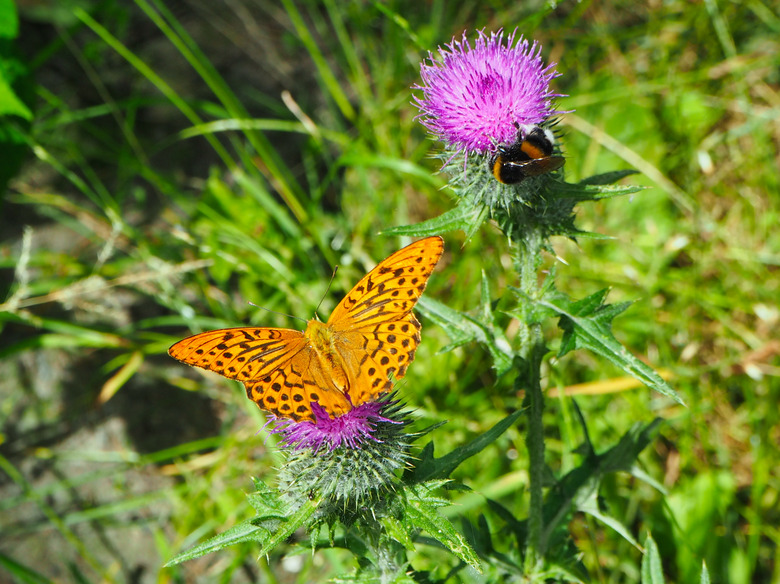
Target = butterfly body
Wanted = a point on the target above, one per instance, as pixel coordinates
(368, 341)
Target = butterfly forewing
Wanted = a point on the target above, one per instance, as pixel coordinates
(391, 289)
(240, 353)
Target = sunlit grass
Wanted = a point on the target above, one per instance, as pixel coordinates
(141, 235)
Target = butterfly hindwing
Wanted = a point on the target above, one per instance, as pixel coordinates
(382, 356)
(289, 391)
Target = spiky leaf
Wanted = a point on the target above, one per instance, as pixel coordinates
(587, 324)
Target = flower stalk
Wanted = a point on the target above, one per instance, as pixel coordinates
(491, 105)
(531, 350)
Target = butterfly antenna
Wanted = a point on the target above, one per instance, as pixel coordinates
(332, 277)
(279, 313)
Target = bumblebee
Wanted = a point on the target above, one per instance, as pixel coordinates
(531, 155)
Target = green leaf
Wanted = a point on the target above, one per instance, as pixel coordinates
(595, 192)
(65, 334)
(266, 501)
(10, 104)
(464, 217)
(57, 341)
(245, 531)
(396, 530)
(462, 329)
(429, 467)
(272, 525)
(266, 201)
(587, 324)
(643, 476)
(623, 456)
(121, 377)
(591, 507)
(17, 93)
(515, 526)
(577, 487)
(22, 573)
(705, 575)
(497, 344)
(9, 20)
(421, 512)
(608, 178)
(294, 522)
(652, 572)
(368, 577)
(397, 165)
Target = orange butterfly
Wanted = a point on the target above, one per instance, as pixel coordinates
(369, 340)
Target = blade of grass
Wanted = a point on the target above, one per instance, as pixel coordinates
(74, 540)
(280, 175)
(155, 79)
(329, 80)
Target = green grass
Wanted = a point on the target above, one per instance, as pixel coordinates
(170, 184)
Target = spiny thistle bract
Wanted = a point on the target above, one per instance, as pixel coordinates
(348, 462)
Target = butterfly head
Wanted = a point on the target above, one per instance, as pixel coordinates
(319, 334)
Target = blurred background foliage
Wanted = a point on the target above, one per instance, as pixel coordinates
(169, 163)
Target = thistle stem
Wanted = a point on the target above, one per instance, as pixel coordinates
(532, 349)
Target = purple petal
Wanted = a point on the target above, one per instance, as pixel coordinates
(474, 98)
(348, 430)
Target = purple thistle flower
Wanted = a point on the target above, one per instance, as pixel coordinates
(352, 457)
(349, 430)
(475, 98)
